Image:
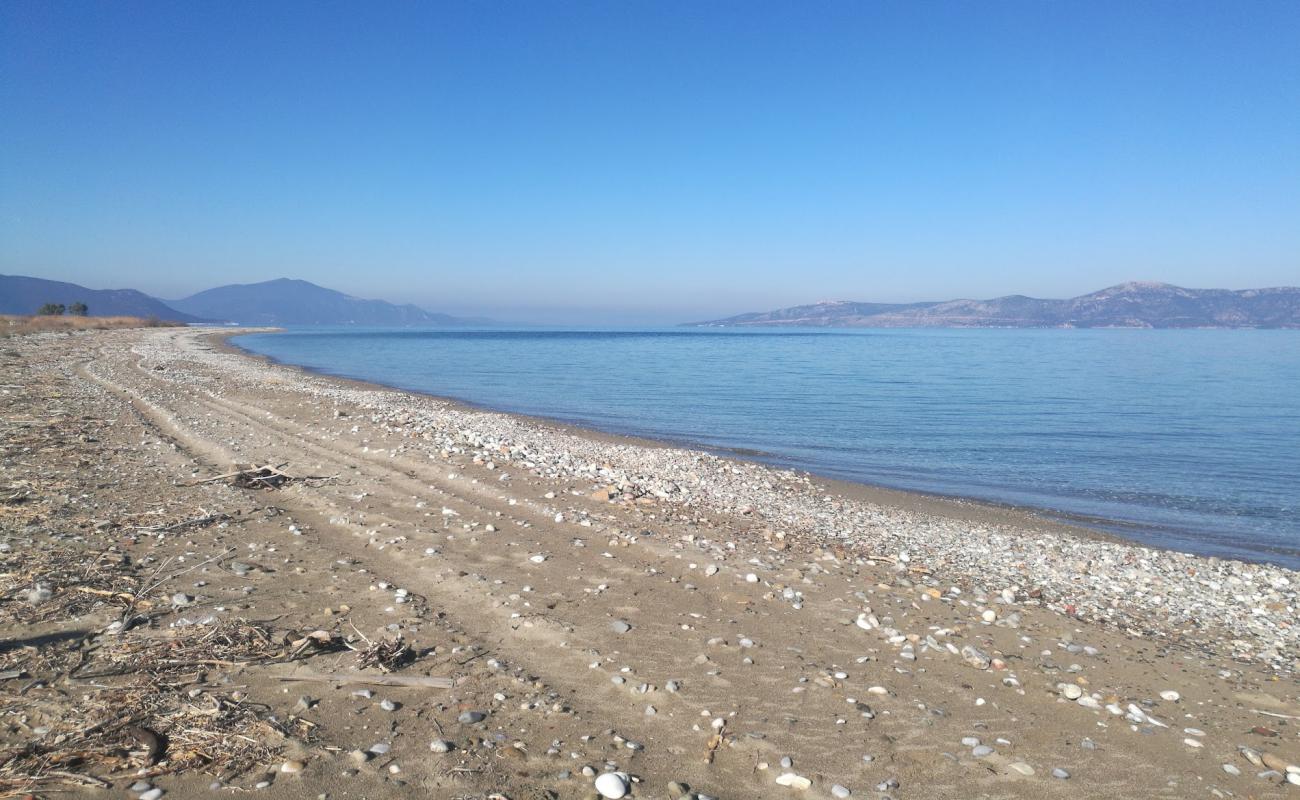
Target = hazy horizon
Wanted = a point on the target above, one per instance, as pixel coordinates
(609, 315)
(651, 163)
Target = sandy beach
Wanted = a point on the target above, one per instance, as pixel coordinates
(581, 613)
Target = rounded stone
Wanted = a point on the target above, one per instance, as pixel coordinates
(612, 785)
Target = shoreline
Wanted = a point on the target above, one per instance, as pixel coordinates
(957, 507)
(1087, 573)
(588, 602)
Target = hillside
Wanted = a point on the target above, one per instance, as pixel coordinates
(1128, 305)
(20, 294)
(286, 301)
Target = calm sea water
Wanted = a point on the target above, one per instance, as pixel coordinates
(1184, 439)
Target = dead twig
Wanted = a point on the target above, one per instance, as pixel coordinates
(411, 681)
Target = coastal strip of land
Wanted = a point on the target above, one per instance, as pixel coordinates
(336, 588)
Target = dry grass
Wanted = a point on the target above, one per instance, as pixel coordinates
(13, 325)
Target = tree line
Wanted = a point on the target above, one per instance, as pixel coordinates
(77, 309)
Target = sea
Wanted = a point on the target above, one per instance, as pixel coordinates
(1181, 439)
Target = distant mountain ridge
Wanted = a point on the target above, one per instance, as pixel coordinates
(286, 301)
(282, 301)
(20, 294)
(1128, 305)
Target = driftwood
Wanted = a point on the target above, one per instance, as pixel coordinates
(254, 477)
(197, 522)
(265, 476)
(386, 654)
(417, 681)
(1271, 714)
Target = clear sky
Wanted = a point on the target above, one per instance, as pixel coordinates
(651, 161)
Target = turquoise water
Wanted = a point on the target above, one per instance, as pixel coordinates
(1183, 439)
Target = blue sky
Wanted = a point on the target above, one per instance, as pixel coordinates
(651, 161)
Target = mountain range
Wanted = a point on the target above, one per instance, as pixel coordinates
(283, 301)
(23, 295)
(1128, 305)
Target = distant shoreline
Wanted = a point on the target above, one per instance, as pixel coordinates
(1136, 304)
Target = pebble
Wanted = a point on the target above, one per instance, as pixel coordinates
(1022, 768)
(291, 767)
(1170, 695)
(1060, 774)
(840, 791)
(152, 794)
(141, 786)
(981, 751)
(620, 626)
(1231, 769)
(1071, 691)
(793, 781)
(975, 657)
(471, 717)
(612, 785)
(1273, 762)
(380, 748)
(441, 746)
